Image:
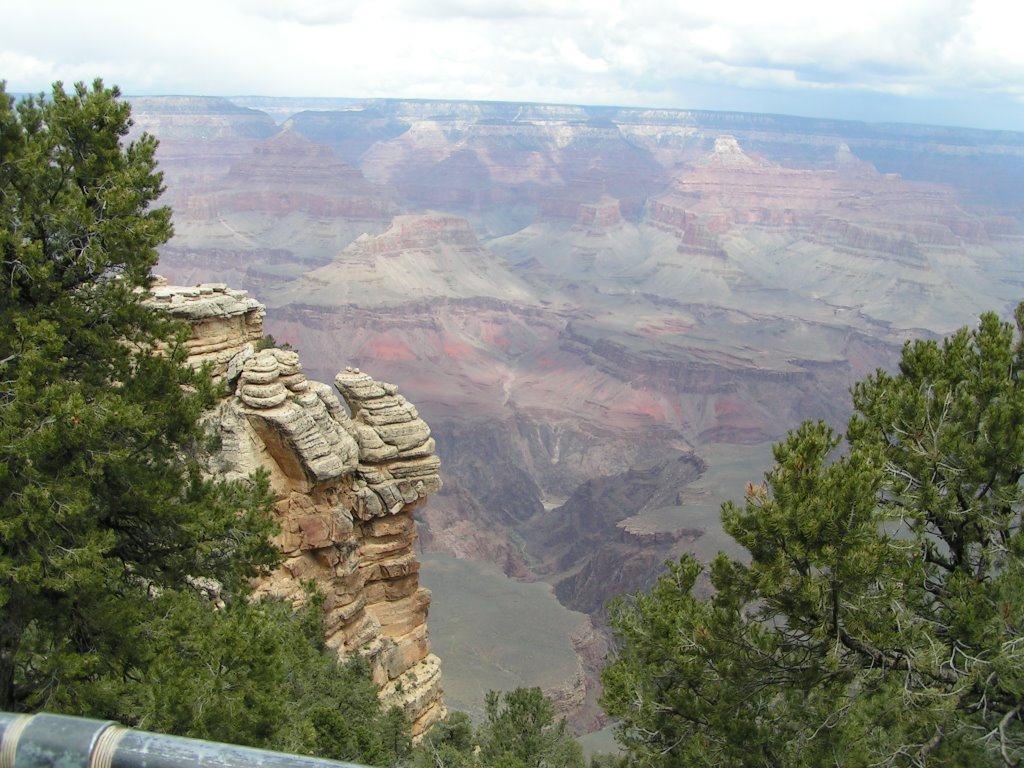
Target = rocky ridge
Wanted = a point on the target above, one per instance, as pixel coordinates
(347, 484)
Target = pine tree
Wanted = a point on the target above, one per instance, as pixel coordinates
(106, 517)
(877, 619)
(521, 732)
(102, 502)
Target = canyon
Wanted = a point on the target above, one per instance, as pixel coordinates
(605, 315)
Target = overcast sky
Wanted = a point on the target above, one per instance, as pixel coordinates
(953, 62)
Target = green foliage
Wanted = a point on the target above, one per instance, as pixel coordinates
(877, 619)
(108, 526)
(101, 499)
(269, 342)
(251, 673)
(448, 744)
(520, 732)
(256, 673)
(604, 760)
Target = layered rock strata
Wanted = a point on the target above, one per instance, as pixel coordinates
(346, 481)
(850, 207)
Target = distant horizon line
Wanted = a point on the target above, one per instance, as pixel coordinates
(356, 100)
(238, 99)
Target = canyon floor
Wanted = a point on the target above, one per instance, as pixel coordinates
(605, 315)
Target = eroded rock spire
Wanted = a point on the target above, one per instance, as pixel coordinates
(346, 482)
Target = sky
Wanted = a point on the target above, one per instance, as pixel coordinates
(945, 62)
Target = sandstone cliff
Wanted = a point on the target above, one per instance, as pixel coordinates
(346, 481)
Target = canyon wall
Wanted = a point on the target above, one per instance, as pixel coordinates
(347, 482)
(606, 315)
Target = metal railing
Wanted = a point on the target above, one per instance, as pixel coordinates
(61, 741)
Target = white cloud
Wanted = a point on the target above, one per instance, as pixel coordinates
(611, 51)
(571, 56)
(24, 68)
(503, 11)
(304, 12)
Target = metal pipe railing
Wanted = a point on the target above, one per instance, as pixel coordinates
(62, 741)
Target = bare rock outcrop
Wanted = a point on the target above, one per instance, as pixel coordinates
(597, 218)
(226, 324)
(346, 481)
(850, 207)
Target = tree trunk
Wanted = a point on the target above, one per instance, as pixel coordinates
(11, 631)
